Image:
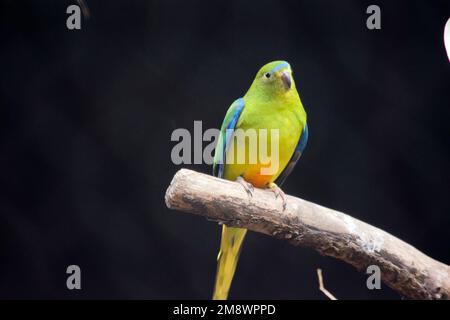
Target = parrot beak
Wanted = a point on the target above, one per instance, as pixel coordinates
(286, 78)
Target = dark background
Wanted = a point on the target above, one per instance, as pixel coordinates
(87, 117)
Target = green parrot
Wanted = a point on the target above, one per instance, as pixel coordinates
(272, 102)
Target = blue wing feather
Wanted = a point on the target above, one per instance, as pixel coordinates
(226, 133)
(303, 141)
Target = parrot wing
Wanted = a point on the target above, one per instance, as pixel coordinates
(223, 142)
(297, 154)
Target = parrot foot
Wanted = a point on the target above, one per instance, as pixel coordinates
(278, 193)
(248, 187)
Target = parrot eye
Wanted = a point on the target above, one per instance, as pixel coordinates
(267, 75)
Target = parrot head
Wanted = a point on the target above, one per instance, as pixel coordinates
(274, 78)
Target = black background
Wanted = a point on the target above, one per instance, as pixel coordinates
(87, 117)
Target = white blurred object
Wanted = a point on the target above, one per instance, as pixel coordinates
(447, 38)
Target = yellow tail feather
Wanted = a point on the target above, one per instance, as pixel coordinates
(230, 247)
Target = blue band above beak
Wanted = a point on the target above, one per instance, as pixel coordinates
(280, 66)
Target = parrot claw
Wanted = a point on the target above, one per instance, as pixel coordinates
(248, 187)
(278, 193)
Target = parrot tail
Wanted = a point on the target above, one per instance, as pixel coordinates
(230, 247)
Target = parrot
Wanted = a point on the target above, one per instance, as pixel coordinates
(271, 102)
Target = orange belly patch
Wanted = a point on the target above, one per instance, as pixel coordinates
(255, 177)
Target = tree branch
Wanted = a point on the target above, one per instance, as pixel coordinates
(403, 268)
